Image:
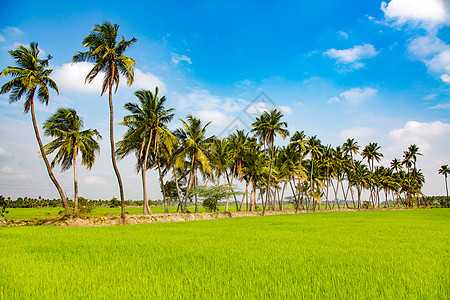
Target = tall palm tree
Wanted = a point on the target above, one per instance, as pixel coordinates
(371, 153)
(194, 146)
(445, 170)
(299, 142)
(108, 57)
(267, 127)
(65, 126)
(147, 124)
(315, 151)
(31, 76)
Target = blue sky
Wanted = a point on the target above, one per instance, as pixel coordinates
(376, 71)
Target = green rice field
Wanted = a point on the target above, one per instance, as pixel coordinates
(334, 255)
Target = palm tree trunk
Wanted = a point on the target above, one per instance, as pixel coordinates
(113, 155)
(244, 196)
(47, 164)
(147, 209)
(268, 181)
(195, 196)
(189, 184)
(446, 188)
(297, 200)
(180, 201)
(282, 196)
(75, 182)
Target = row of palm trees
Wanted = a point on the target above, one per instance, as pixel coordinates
(304, 166)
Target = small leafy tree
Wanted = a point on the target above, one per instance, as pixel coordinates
(3, 205)
(213, 194)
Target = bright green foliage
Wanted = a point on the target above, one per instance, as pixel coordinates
(213, 194)
(3, 205)
(345, 255)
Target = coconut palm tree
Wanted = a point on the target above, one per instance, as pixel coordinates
(267, 127)
(65, 126)
(194, 146)
(315, 150)
(31, 76)
(370, 152)
(146, 124)
(445, 170)
(109, 59)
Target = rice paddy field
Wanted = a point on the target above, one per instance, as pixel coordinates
(336, 255)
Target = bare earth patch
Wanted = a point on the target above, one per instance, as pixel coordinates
(111, 220)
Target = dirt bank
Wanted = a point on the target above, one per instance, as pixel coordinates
(110, 220)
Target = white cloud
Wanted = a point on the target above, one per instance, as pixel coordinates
(146, 81)
(427, 13)
(256, 109)
(434, 53)
(4, 153)
(2, 38)
(217, 117)
(445, 78)
(71, 77)
(357, 95)
(333, 100)
(13, 31)
(177, 58)
(94, 180)
(285, 109)
(421, 133)
(353, 55)
(358, 133)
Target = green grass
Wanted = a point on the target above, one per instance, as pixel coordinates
(339, 255)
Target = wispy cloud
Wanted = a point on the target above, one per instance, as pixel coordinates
(353, 56)
(177, 58)
(12, 31)
(355, 95)
(434, 53)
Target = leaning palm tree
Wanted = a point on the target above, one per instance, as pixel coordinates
(31, 77)
(445, 170)
(65, 126)
(108, 57)
(267, 127)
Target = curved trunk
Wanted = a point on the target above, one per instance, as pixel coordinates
(47, 164)
(189, 183)
(113, 156)
(147, 209)
(75, 182)
(268, 182)
(161, 178)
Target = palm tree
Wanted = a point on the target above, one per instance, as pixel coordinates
(147, 125)
(315, 151)
(65, 126)
(108, 57)
(31, 76)
(370, 152)
(194, 147)
(267, 127)
(445, 170)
